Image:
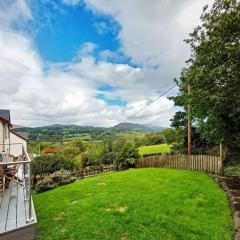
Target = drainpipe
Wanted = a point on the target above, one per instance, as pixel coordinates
(3, 140)
(9, 139)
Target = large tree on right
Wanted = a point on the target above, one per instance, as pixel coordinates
(214, 74)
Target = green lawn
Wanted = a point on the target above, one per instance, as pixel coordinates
(160, 148)
(161, 204)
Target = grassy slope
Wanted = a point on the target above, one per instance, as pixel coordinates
(136, 204)
(160, 148)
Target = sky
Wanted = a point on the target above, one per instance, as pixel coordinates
(92, 62)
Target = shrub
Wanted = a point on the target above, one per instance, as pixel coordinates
(95, 152)
(46, 184)
(54, 180)
(152, 139)
(125, 154)
(128, 163)
(49, 163)
(49, 150)
(62, 177)
(232, 168)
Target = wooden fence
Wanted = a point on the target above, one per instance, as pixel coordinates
(82, 173)
(205, 163)
(92, 171)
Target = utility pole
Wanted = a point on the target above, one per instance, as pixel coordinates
(221, 150)
(189, 123)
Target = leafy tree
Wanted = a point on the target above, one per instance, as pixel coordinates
(214, 75)
(84, 159)
(44, 144)
(65, 156)
(179, 120)
(200, 143)
(125, 153)
(49, 150)
(169, 135)
(50, 163)
(152, 139)
(77, 144)
(95, 152)
(70, 152)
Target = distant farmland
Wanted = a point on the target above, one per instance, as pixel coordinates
(153, 149)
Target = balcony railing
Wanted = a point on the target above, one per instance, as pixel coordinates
(24, 173)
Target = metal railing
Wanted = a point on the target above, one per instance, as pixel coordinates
(28, 184)
(7, 148)
(26, 173)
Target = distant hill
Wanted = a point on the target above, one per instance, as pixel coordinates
(61, 132)
(67, 126)
(60, 127)
(137, 127)
(120, 126)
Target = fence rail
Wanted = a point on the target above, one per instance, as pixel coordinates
(82, 173)
(204, 163)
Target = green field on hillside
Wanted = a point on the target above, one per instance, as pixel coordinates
(136, 204)
(153, 149)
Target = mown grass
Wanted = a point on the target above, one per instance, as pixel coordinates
(153, 149)
(136, 204)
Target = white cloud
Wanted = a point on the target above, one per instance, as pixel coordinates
(14, 10)
(66, 92)
(86, 49)
(152, 32)
(102, 27)
(71, 2)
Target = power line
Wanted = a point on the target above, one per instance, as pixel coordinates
(149, 102)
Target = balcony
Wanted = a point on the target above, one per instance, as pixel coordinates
(17, 215)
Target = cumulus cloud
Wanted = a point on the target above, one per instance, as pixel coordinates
(153, 32)
(40, 93)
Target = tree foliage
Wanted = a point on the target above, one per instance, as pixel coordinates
(125, 153)
(214, 75)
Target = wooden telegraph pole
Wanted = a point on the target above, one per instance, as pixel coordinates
(189, 124)
(221, 150)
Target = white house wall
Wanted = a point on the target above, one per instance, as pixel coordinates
(4, 137)
(15, 147)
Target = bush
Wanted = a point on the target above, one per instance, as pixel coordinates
(46, 184)
(232, 170)
(232, 167)
(95, 152)
(56, 179)
(128, 163)
(49, 163)
(125, 154)
(62, 177)
(153, 139)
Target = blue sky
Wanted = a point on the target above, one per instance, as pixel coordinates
(62, 29)
(92, 62)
